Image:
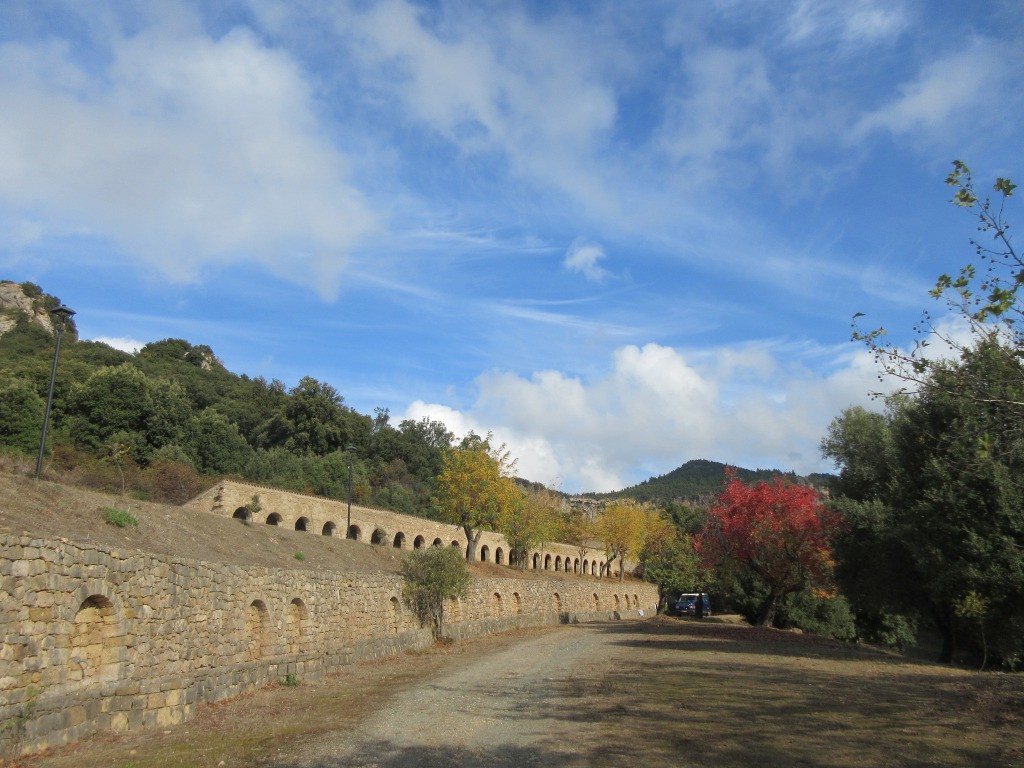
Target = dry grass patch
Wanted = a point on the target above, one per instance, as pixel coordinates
(684, 692)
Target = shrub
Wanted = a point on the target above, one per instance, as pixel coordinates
(432, 576)
(299, 556)
(119, 517)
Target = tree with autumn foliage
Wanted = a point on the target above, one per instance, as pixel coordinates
(623, 528)
(475, 488)
(529, 524)
(775, 533)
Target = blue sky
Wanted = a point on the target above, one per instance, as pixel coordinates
(619, 235)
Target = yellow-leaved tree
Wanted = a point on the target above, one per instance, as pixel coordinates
(530, 524)
(475, 488)
(623, 529)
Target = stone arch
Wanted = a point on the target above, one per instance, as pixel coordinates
(242, 514)
(536, 561)
(547, 562)
(437, 543)
(615, 602)
(295, 621)
(399, 542)
(94, 648)
(496, 607)
(558, 563)
(329, 529)
(576, 565)
(586, 566)
(419, 542)
(485, 553)
(517, 603)
(274, 519)
(597, 602)
(257, 623)
(394, 615)
(557, 602)
(354, 533)
(457, 545)
(453, 608)
(499, 556)
(379, 536)
(303, 524)
(636, 601)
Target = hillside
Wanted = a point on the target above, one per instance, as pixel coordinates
(166, 422)
(52, 510)
(699, 480)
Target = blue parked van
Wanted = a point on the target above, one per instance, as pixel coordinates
(686, 605)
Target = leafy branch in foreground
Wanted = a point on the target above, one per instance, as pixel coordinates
(984, 296)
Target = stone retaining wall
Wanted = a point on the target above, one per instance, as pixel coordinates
(94, 638)
(328, 517)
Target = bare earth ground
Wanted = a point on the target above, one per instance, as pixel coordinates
(662, 692)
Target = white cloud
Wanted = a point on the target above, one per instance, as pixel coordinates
(722, 101)
(853, 22)
(184, 151)
(583, 257)
(755, 405)
(943, 92)
(532, 92)
(131, 346)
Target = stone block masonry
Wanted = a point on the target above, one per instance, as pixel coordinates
(93, 638)
(328, 517)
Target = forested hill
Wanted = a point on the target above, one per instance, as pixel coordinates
(699, 480)
(169, 420)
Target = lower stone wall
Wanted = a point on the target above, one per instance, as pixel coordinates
(94, 638)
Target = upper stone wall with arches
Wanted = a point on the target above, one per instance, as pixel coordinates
(327, 517)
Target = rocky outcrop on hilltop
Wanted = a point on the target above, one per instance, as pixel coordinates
(23, 300)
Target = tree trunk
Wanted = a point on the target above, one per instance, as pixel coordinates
(473, 541)
(944, 623)
(766, 617)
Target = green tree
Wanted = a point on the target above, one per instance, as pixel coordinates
(944, 517)
(431, 576)
(21, 415)
(218, 446)
(670, 560)
(475, 489)
(948, 509)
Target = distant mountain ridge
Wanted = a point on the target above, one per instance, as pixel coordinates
(699, 480)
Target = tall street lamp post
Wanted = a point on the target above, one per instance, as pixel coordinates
(61, 316)
(348, 527)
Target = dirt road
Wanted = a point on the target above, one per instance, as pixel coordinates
(659, 692)
(505, 709)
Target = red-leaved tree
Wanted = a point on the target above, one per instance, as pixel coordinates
(777, 531)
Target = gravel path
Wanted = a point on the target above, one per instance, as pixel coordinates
(501, 710)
